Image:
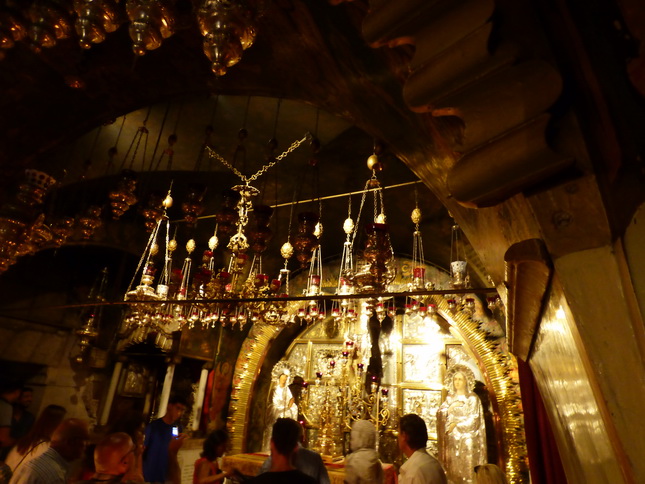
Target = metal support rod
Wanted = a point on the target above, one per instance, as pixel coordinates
(322, 297)
(328, 197)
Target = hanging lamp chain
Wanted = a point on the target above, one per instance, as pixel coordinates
(213, 154)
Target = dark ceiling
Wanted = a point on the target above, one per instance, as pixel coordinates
(309, 70)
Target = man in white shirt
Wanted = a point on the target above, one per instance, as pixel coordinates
(421, 467)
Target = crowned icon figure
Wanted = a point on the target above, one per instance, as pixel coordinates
(283, 403)
(461, 430)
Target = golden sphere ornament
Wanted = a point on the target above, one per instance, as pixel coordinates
(416, 215)
(372, 162)
(213, 242)
(286, 250)
(348, 226)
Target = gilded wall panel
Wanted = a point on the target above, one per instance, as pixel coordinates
(560, 369)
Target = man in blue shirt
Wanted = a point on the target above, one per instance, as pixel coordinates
(157, 439)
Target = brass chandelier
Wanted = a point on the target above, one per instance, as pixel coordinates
(228, 26)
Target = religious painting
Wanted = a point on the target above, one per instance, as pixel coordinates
(424, 403)
(133, 383)
(322, 356)
(423, 328)
(198, 343)
(413, 327)
(457, 355)
(421, 364)
(298, 359)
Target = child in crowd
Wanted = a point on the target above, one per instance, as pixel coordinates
(206, 467)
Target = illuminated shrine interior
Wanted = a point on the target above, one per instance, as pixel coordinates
(352, 203)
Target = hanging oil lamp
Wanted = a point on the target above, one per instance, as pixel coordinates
(227, 27)
(193, 205)
(94, 20)
(151, 21)
(49, 22)
(305, 241)
(123, 197)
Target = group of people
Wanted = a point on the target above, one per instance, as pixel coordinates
(42, 450)
(290, 462)
(129, 452)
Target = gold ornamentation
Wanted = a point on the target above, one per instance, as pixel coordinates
(498, 367)
(151, 21)
(228, 30)
(253, 349)
(95, 19)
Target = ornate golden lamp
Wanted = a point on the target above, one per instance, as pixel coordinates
(49, 22)
(228, 30)
(123, 197)
(12, 28)
(22, 228)
(94, 20)
(151, 21)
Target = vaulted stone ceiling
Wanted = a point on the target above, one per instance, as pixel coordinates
(309, 54)
(435, 82)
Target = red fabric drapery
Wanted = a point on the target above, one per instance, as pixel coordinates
(544, 458)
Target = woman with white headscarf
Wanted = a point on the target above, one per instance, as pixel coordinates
(363, 466)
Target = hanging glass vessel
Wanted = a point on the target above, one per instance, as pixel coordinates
(22, 218)
(260, 234)
(227, 27)
(62, 230)
(151, 21)
(305, 241)
(193, 205)
(49, 22)
(458, 264)
(12, 28)
(123, 197)
(227, 217)
(153, 210)
(94, 20)
(89, 221)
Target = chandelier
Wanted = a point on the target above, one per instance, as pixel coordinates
(241, 292)
(24, 229)
(232, 295)
(228, 26)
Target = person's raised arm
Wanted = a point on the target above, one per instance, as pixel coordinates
(174, 472)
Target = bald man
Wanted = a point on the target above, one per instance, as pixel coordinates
(67, 445)
(114, 459)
